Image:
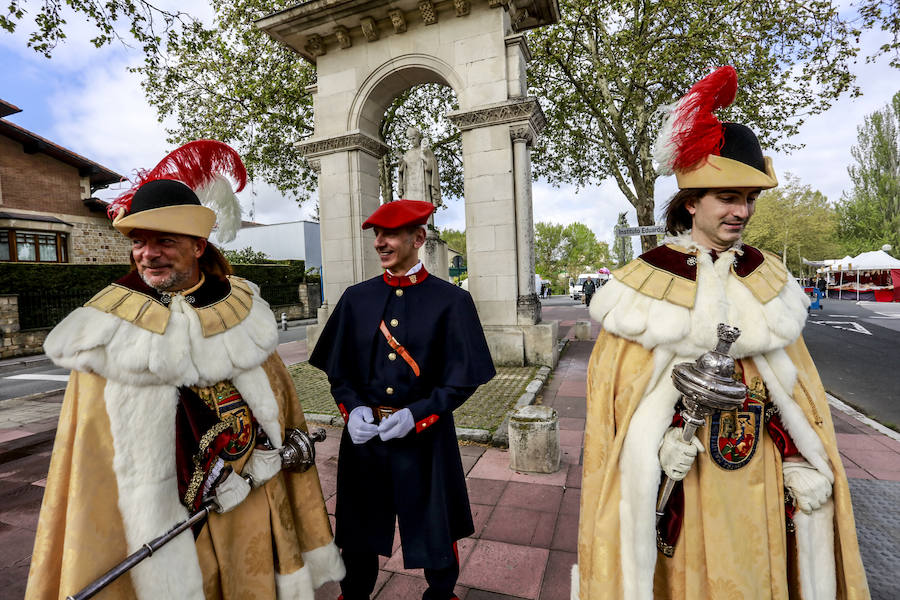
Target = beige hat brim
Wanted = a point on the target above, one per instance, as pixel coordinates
(721, 172)
(186, 219)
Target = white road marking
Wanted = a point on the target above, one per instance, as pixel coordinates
(845, 325)
(38, 377)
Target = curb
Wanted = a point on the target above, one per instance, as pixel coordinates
(500, 439)
(849, 410)
(19, 447)
(36, 360)
(324, 419)
(37, 395)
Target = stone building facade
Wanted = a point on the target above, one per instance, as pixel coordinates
(48, 212)
(13, 341)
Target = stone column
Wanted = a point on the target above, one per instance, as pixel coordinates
(348, 193)
(434, 255)
(528, 305)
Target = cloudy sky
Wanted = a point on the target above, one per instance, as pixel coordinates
(86, 100)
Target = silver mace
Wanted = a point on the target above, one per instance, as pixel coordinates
(297, 454)
(706, 385)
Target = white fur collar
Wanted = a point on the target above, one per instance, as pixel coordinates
(721, 298)
(90, 340)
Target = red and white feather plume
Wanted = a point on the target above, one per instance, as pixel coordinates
(205, 166)
(690, 131)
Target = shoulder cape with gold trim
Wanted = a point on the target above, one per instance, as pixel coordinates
(657, 311)
(112, 484)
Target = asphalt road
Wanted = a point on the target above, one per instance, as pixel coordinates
(29, 380)
(856, 348)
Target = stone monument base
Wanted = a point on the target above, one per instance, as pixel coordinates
(520, 345)
(534, 440)
(434, 255)
(315, 330)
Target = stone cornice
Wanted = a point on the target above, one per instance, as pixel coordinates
(513, 111)
(316, 27)
(315, 147)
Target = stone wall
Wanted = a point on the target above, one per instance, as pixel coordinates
(14, 342)
(307, 305)
(97, 241)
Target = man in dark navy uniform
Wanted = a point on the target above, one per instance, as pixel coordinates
(402, 351)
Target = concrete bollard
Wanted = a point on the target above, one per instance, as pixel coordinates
(582, 330)
(534, 440)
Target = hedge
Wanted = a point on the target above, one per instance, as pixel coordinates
(23, 278)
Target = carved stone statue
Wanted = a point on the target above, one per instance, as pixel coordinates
(419, 178)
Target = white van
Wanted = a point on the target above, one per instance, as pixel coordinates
(575, 286)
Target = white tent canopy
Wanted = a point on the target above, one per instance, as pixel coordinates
(875, 260)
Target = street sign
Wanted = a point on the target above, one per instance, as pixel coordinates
(643, 230)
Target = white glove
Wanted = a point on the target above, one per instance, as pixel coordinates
(397, 425)
(230, 492)
(807, 485)
(361, 425)
(675, 455)
(262, 466)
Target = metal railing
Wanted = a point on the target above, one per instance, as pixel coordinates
(39, 310)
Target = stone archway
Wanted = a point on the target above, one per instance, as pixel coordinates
(366, 53)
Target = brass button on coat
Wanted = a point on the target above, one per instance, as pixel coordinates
(394, 322)
(399, 292)
(392, 356)
(389, 391)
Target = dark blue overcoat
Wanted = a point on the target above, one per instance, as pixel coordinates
(418, 478)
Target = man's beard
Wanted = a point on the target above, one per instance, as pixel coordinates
(173, 282)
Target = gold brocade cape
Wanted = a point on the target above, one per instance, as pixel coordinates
(733, 542)
(112, 484)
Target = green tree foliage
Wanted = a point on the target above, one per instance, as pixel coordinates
(794, 221)
(884, 14)
(869, 216)
(608, 67)
(228, 80)
(548, 250)
(122, 20)
(569, 249)
(233, 83)
(456, 240)
(246, 256)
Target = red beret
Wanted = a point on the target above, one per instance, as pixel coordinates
(400, 213)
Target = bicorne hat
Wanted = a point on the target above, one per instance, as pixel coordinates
(186, 193)
(400, 213)
(702, 151)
